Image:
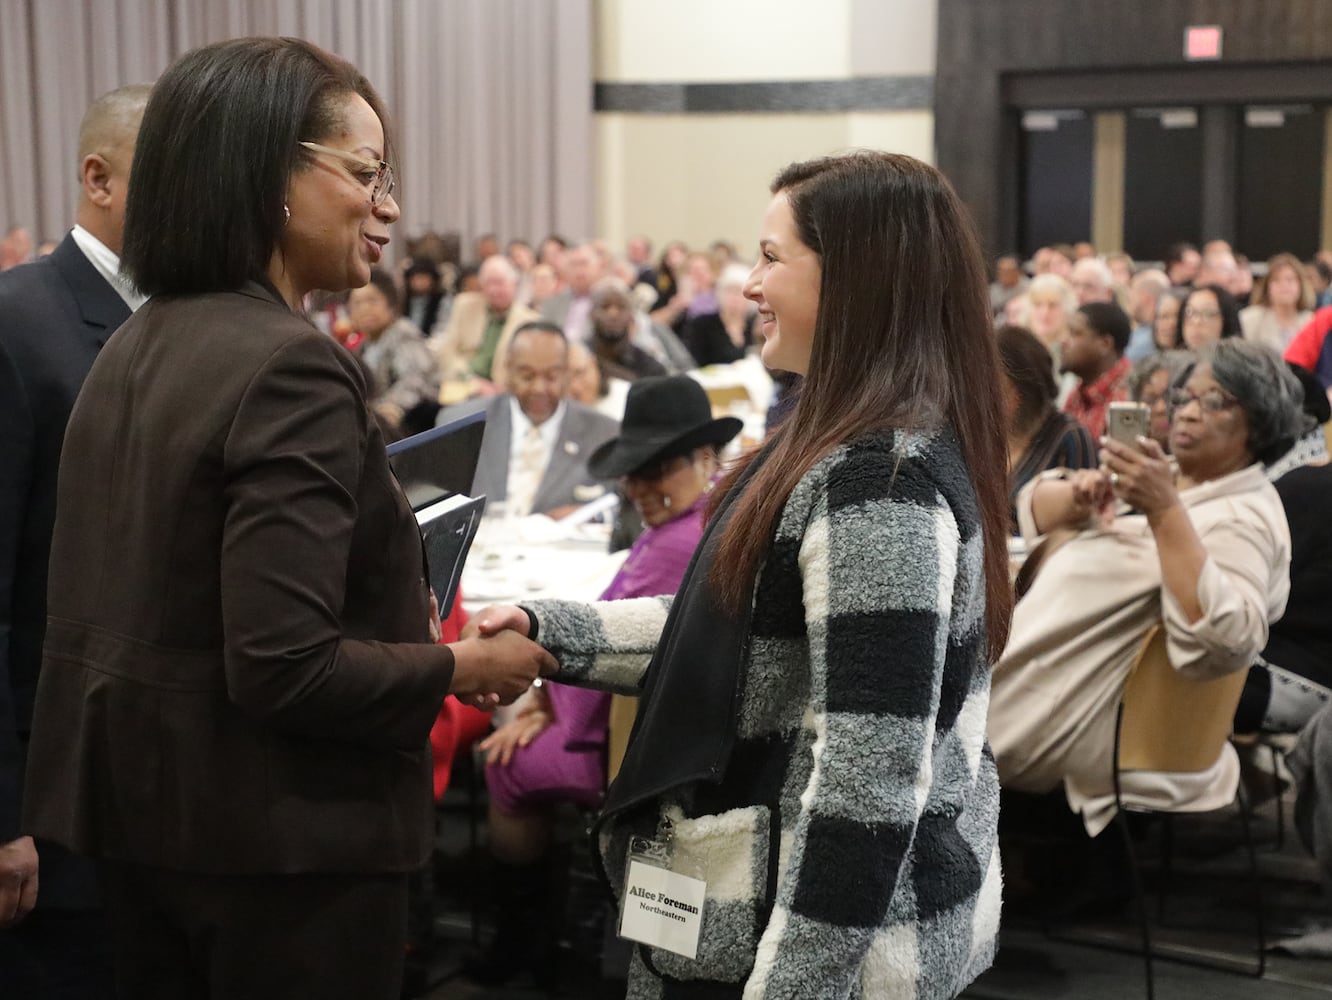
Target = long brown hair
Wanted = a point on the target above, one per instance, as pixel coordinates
(903, 339)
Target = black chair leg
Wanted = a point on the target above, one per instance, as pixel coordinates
(1255, 880)
(1278, 803)
(1167, 865)
(473, 843)
(1139, 901)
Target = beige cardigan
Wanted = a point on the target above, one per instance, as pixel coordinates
(1056, 689)
(460, 337)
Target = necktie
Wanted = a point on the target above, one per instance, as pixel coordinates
(525, 476)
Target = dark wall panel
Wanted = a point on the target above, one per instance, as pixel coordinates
(1280, 183)
(986, 45)
(1162, 181)
(1056, 183)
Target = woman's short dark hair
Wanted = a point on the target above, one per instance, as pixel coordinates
(426, 267)
(1031, 370)
(217, 148)
(1268, 392)
(1230, 321)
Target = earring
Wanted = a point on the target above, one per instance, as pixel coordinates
(666, 500)
(286, 214)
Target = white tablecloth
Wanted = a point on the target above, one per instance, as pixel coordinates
(536, 557)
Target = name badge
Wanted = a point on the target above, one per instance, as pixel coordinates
(662, 908)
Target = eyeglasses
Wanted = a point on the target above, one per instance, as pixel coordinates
(1212, 400)
(1201, 313)
(377, 175)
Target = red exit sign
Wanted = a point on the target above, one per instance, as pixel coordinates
(1202, 41)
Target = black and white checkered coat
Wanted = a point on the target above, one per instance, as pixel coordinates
(849, 850)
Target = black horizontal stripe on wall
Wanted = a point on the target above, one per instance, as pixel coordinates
(867, 93)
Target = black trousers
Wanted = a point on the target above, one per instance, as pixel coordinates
(179, 936)
(56, 954)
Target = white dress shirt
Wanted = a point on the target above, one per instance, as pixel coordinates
(108, 266)
(549, 431)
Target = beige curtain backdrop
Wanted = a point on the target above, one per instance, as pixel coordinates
(491, 99)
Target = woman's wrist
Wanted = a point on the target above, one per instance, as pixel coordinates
(1160, 517)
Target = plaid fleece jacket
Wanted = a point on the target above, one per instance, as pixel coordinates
(849, 849)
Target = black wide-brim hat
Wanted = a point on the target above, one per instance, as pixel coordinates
(664, 415)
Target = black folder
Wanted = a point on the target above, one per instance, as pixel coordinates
(435, 470)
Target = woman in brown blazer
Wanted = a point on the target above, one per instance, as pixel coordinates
(239, 678)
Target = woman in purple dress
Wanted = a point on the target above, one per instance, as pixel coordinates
(554, 750)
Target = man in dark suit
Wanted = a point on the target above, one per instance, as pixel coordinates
(55, 315)
(537, 442)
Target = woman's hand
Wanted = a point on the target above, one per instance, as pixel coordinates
(1141, 477)
(1071, 501)
(436, 628)
(1091, 493)
(532, 720)
(496, 618)
(497, 669)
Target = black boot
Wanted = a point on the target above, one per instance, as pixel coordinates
(524, 941)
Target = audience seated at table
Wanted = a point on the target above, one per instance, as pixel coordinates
(1167, 334)
(1291, 680)
(1151, 382)
(571, 308)
(589, 386)
(701, 280)
(394, 351)
(423, 300)
(626, 342)
(1281, 305)
(1092, 349)
(1039, 436)
(554, 750)
(718, 338)
(473, 345)
(536, 445)
(1204, 551)
(1146, 289)
(1209, 313)
(1009, 282)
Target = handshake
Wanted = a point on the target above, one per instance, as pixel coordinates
(495, 662)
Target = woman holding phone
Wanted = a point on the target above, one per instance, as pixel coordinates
(1199, 546)
(809, 754)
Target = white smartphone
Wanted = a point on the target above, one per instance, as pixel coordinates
(1126, 422)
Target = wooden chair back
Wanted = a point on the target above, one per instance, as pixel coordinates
(722, 396)
(1170, 722)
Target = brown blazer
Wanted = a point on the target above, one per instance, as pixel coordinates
(237, 676)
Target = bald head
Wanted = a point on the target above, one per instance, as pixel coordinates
(112, 120)
(499, 281)
(106, 152)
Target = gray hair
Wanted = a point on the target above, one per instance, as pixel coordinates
(732, 276)
(1177, 363)
(606, 288)
(1269, 393)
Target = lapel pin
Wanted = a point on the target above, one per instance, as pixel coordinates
(571, 447)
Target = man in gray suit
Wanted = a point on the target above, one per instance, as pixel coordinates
(537, 442)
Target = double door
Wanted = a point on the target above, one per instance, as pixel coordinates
(1139, 179)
